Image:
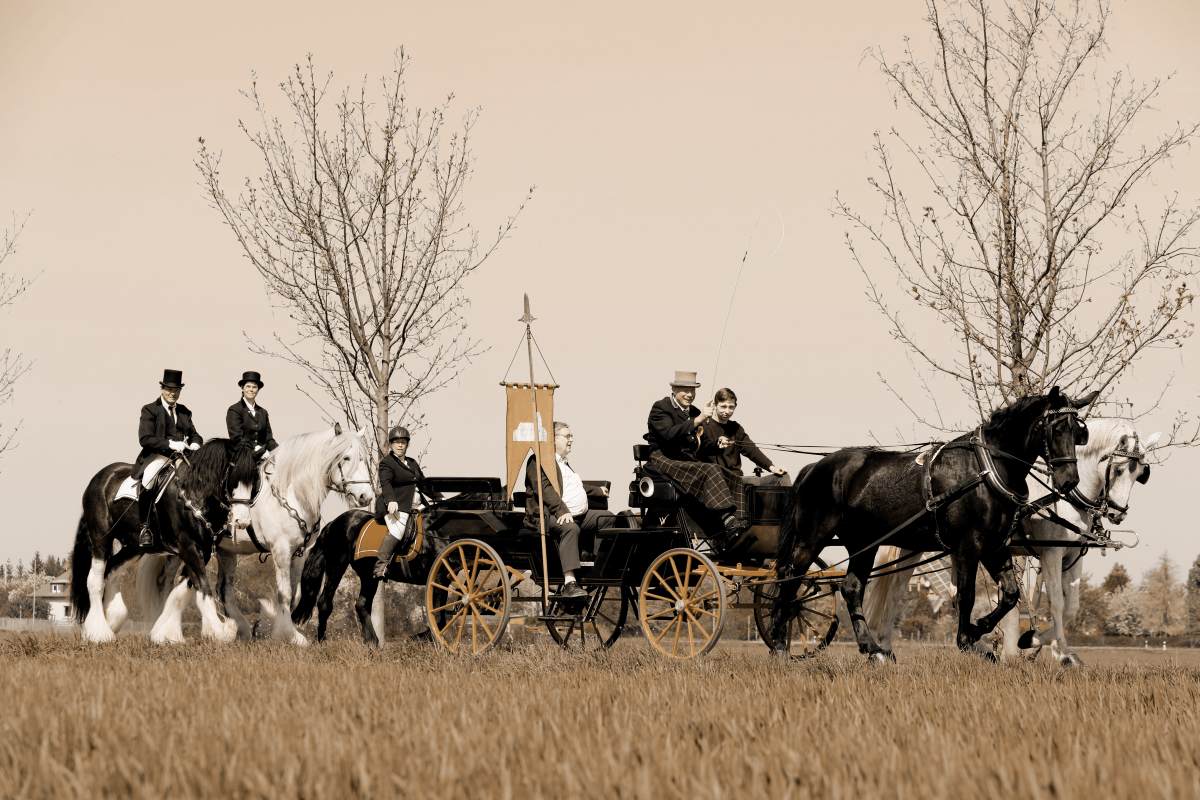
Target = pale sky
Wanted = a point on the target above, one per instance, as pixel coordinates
(663, 138)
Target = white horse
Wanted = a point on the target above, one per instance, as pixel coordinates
(1111, 462)
(282, 519)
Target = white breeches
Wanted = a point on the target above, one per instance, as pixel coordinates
(396, 523)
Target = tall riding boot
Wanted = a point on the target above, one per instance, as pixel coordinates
(386, 549)
(145, 504)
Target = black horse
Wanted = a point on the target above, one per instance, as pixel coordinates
(328, 558)
(193, 507)
(964, 497)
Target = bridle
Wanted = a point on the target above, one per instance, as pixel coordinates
(1105, 505)
(342, 484)
(1051, 416)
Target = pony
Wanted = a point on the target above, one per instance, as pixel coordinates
(1110, 465)
(964, 497)
(192, 507)
(327, 561)
(282, 519)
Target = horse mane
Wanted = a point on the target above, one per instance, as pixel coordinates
(302, 462)
(1104, 434)
(203, 474)
(1014, 411)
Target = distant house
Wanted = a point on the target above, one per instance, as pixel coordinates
(57, 597)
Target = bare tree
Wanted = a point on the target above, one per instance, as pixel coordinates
(356, 226)
(1012, 220)
(12, 286)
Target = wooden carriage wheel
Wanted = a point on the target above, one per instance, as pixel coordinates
(809, 623)
(596, 626)
(681, 603)
(467, 597)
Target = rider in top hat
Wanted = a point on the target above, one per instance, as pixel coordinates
(399, 479)
(675, 434)
(165, 429)
(248, 423)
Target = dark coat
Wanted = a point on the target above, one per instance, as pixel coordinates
(398, 483)
(250, 430)
(731, 457)
(671, 430)
(156, 430)
(552, 502)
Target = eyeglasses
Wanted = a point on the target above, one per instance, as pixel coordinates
(568, 436)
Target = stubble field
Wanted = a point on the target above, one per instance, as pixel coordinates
(266, 720)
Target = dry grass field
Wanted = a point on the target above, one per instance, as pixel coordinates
(265, 720)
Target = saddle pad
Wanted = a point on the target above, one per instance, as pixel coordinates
(371, 534)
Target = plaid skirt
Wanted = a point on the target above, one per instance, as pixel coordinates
(715, 488)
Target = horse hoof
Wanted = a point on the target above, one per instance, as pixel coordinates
(299, 639)
(878, 657)
(1029, 640)
(1071, 660)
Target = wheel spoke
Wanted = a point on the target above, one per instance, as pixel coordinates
(659, 615)
(444, 607)
(462, 623)
(450, 621)
(490, 592)
(680, 583)
(462, 558)
(447, 588)
(665, 630)
(495, 611)
(475, 567)
(663, 582)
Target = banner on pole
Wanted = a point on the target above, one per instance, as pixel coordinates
(523, 432)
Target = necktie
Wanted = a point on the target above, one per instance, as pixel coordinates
(171, 411)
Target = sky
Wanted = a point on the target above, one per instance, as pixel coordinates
(664, 141)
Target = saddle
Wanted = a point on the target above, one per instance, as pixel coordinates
(370, 536)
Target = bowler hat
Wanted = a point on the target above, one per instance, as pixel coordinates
(251, 377)
(397, 433)
(685, 379)
(172, 379)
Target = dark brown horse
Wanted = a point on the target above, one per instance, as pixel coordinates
(964, 498)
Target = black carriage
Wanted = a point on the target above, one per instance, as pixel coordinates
(658, 570)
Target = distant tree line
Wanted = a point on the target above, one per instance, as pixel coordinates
(1165, 603)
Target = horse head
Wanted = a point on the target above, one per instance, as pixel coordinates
(350, 472)
(1119, 464)
(1057, 433)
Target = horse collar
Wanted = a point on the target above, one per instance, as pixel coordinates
(983, 452)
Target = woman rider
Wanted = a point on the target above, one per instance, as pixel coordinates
(724, 441)
(248, 423)
(400, 478)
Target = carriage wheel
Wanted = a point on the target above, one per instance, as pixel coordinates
(681, 603)
(809, 622)
(467, 597)
(597, 627)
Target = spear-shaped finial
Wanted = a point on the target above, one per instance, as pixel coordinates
(528, 318)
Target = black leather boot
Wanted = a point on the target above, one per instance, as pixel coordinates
(384, 560)
(145, 504)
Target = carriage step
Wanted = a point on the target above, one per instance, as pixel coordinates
(558, 618)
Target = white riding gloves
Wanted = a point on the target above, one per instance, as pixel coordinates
(177, 445)
(393, 507)
(193, 446)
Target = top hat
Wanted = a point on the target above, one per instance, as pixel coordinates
(251, 377)
(687, 379)
(172, 379)
(398, 433)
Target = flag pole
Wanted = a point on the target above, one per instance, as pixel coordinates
(537, 460)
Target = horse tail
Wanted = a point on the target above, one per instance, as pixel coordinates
(151, 576)
(311, 580)
(81, 566)
(787, 531)
(877, 603)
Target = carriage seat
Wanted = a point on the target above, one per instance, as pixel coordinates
(468, 493)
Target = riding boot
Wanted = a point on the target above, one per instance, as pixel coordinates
(145, 504)
(386, 549)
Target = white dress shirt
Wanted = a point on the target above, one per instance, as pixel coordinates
(573, 493)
